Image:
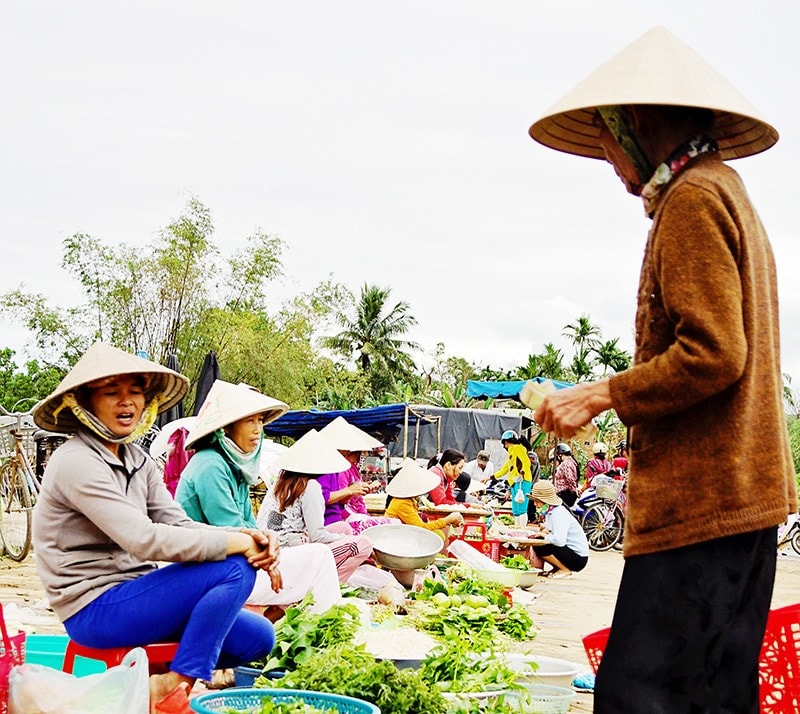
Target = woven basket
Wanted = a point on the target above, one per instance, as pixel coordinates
(248, 700)
(606, 487)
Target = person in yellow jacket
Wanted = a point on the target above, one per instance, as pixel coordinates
(405, 488)
(517, 471)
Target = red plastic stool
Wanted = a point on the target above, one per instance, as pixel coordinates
(161, 653)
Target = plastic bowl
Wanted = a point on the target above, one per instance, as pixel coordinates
(538, 669)
(507, 577)
(401, 547)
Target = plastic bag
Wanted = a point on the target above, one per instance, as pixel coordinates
(519, 496)
(124, 689)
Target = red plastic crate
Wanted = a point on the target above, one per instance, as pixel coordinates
(475, 535)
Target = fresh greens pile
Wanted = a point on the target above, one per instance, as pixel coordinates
(456, 667)
(516, 562)
(470, 608)
(299, 634)
(351, 671)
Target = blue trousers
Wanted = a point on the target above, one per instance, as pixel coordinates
(198, 605)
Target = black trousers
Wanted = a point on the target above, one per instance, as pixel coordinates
(687, 629)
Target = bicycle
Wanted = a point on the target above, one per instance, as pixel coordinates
(603, 518)
(789, 532)
(20, 477)
(19, 485)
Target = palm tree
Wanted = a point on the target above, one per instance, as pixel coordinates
(609, 356)
(584, 336)
(373, 335)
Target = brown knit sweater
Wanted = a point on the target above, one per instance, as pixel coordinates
(709, 452)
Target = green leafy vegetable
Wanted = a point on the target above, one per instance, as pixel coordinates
(456, 667)
(300, 634)
(351, 671)
(516, 562)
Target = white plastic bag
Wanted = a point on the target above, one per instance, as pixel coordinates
(124, 689)
(519, 496)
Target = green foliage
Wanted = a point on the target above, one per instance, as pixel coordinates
(21, 390)
(794, 444)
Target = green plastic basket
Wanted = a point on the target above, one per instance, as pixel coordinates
(249, 700)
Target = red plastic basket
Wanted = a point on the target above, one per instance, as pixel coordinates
(12, 653)
(779, 662)
(595, 645)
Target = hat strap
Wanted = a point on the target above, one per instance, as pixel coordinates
(620, 127)
(91, 422)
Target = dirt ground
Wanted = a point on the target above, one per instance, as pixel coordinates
(565, 610)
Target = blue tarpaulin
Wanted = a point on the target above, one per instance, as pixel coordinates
(384, 422)
(505, 390)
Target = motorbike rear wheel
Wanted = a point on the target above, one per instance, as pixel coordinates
(796, 540)
(603, 524)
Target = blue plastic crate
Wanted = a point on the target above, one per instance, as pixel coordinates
(49, 650)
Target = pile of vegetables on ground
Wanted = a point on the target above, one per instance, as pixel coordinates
(470, 619)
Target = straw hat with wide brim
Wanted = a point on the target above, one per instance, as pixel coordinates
(411, 481)
(227, 403)
(101, 361)
(658, 68)
(345, 436)
(545, 492)
(159, 445)
(312, 454)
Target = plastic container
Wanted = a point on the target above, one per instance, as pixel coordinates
(49, 650)
(545, 699)
(538, 669)
(247, 699)
(246, 676)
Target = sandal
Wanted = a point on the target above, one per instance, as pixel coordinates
(562, 574)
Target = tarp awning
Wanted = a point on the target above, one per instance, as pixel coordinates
(384, 422)
(505, 390)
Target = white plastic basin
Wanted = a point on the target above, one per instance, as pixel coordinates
(538, 669)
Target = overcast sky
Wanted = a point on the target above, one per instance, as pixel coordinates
(383, 142)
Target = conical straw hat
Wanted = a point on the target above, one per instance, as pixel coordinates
(658, 68)
(411, 481)
(100, 361)
(312, 454)
(227, 403)
(347, 437)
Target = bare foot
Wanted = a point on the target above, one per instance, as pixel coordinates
(162, 684)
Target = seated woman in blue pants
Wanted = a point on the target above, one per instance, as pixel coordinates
(105, 519)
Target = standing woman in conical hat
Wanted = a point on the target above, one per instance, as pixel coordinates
(295, 506)
(105, 519)
(227, 437)
(706, 380)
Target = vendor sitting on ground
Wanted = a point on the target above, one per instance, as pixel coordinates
(567, 549)
(405, 489)
(215, 488)
(344, 492)
(294, 508)
(105, 520)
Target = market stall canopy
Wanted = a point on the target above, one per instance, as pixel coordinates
(505, 390)
(384, 422)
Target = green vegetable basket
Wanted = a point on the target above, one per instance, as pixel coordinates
(250, 700)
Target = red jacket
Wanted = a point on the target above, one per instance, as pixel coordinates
(443, 493)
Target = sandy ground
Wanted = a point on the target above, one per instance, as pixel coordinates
(565, 609)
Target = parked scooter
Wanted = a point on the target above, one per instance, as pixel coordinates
(600, 510)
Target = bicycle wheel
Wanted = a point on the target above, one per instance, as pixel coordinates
(603, 524)
(16, 513)
(796, 540)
